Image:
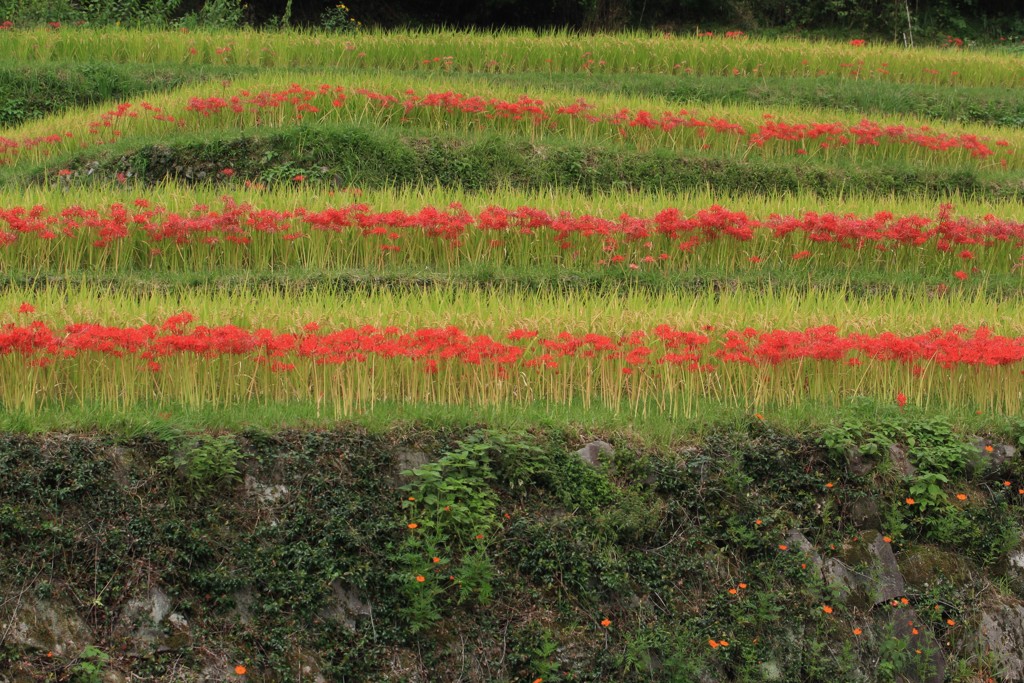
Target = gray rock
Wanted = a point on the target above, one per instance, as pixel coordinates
(408, 460)
(990, 461)
(930, 665)
(844, 581)
(265, 493)
(46, 626)
(596, 452)
(345, 605)
(146, 619)
(1016, 559)
(242, 611)
(1001, 632)
(864, 513)
(858, 463)
(177, 621)
(799, 542)
(900, 462)
(156, 604)
(771, 671)
(865, 573)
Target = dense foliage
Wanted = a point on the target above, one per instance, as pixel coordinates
(898, 20)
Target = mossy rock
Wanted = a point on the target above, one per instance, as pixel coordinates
(926, 566)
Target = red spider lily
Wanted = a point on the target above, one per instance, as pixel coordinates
(644, 363)
(235, 226)
(294, 102)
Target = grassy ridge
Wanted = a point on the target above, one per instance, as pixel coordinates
(178, 113)
(515, 51)
(32, 90)
(369, 158)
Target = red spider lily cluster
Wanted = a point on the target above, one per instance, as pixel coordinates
(679, 128)
(653, 364)
(354, 234)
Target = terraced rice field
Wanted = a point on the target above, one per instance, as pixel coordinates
(683, 227)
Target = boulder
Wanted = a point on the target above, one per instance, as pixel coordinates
(989, 458)
(406, 460)
(865, 514)
(268, 494)
(858, 463)
(865, 573)
(930, 665)
(46, 626)
(797, 541)
(900, 462)
(926, 566)
(596, 452)
(345, 605)
(1001, 633)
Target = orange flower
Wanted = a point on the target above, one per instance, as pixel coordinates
(826, 609)
(886, 539)
(905, 601)
(1006, 483)
(857, 631)
(950, 622)
(829, 485)
(803, 566)
(910, 501)
(759, 416)
(411, 498)
(989, 449)
(713, 644)
(732, 591)
(421, 579)
(49, 654)
(240, 670)
(758, 522)
(479, 536)
(412, 525)
(914, 631)
(724, 643)
(743, 585)
(961, 496)
(917, 652)
(436, 560)
(538, 680)
(606, 622)
(783, 547)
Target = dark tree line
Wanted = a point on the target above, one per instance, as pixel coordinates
(928, 19)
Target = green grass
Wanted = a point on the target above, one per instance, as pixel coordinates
(76, 129)
(516, 51)
(35, 90)
(352, 156)
(859, 283)
(909, 310)
(594, 421)
(30, 91)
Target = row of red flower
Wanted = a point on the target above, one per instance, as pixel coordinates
(696, 350)
(238, 223)
(295, 102)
